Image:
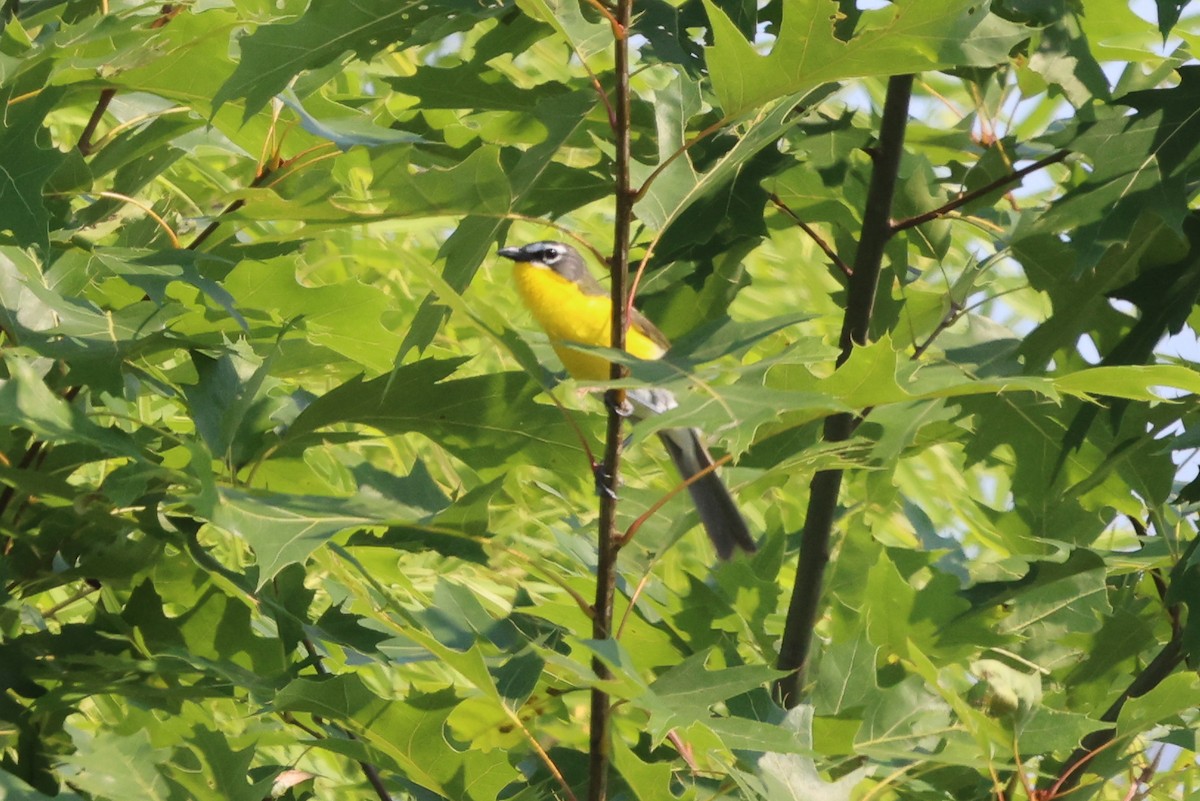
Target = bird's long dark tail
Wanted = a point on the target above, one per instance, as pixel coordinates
(718, 512)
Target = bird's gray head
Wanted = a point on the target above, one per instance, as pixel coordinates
(562, 259)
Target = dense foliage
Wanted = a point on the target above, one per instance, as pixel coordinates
(293, 501)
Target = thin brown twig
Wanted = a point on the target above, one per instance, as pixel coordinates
(633, 599)
(948, 319)
(600, 93)
(12, 101)
(77, 596)
(212, 227)
(662, 501)
(149, 210)
(637, 524)
(618, 28)
(84, 145)
(542, 754)
(684, 749)
(669, 160)
(966, 197)
(808, 229)
(369, 771)
(166, 14)
(533, 565)
(31, 453)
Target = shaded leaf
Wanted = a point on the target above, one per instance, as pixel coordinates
(284, 529)
(29, 161)
(483, 420)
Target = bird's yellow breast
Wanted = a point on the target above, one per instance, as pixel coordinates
(567, 314)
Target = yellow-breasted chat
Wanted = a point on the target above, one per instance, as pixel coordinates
(556, 285)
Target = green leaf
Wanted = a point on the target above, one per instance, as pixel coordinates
(1064, 60)
(342, 126)
(483, 420)
(410, 733)
(230, 412)
(1006, 689)
(276, 53)
(903, 37)
(648, 781)
(1175, 696)
(468, 86)
(1168, 15)
(189, 59)
(795, 775)
(26, 402)
(845, 677)
(681, 184)
(347, 317)
(224, 770)
(901, 719)
(284, 529)
(1070, 597)
(586, 37)
(1047, 729)
(29, 161)
(517, 678)
(117, 766)
(688, 688)
(1137, 183)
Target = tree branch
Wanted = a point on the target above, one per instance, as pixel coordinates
(84, 145)
(808, 229)
(607, 542)
(826, 484)
(965, 198)
(1151, 676)
(212, 227)
(948, 319)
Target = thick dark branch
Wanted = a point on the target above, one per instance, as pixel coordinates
(607, 540)
(1151, 676)
(805, 603)
(1013, 177)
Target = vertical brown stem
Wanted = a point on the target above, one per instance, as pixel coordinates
(608, 542)
(805, 604)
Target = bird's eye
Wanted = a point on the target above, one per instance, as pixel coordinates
(550, 255)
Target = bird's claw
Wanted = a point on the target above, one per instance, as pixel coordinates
(623, 409)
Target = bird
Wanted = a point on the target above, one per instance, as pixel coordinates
(556, 285)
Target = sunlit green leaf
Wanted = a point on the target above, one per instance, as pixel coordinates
(902, 37)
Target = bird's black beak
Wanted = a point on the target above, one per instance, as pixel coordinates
(516, 254)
